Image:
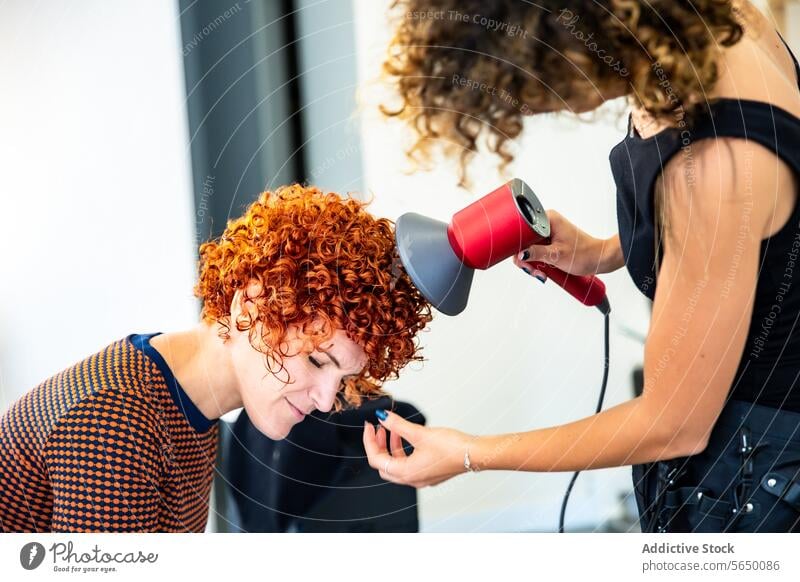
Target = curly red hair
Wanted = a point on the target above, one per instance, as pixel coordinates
(316, 257)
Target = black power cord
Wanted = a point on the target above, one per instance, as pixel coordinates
(605, 308)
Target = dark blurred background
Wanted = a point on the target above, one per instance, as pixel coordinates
(270, 91)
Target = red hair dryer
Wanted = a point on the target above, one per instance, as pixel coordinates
(441, 258)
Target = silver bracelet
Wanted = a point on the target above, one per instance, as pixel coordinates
(467, 463)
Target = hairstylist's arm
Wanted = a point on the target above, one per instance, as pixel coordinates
(573, 250)
(697, 335)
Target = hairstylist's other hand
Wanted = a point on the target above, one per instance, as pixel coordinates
(438, 452)
(571, 249)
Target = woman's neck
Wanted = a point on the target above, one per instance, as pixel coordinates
(202, 366)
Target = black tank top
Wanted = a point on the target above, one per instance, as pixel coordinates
(770, 364)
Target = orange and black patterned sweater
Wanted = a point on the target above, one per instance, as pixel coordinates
(110, 444)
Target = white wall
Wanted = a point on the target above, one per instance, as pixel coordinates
(522, 355)
(792, 34)
(96, 211)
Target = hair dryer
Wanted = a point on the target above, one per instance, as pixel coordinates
(441, 258)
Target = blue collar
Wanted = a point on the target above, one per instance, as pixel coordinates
(196, 418)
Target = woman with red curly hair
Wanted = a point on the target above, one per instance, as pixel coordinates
(709, 229)
(304, 307)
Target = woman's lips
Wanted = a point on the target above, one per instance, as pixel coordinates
(296, 411)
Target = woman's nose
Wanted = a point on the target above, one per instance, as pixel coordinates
(324, 395)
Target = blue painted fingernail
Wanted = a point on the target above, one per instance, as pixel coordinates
(526, 255)
(381, 414)
(526, 270)
(542, 279)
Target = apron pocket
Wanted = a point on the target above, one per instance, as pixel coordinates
(779, 497)
(694, 509)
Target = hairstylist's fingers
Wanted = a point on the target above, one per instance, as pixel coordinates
(380, 436)
(368, 436)
(530, 258)
(529, 267)
(394, 469)
(396, 423)
(376, 456)
(396, 445)
(524, 256)
(371, 441)
(535, 270)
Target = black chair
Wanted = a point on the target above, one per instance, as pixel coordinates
(315, 480)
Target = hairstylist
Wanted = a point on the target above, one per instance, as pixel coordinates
(709, 229)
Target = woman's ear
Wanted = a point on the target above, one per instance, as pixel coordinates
(237, 304)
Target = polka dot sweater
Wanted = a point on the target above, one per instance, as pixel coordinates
(112, 444)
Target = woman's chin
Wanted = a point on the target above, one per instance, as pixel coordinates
(275, 431)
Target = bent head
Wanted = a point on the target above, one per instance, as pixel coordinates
(312, 303)
(278, 395)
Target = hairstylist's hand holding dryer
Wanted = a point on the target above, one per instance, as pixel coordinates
(572, 250)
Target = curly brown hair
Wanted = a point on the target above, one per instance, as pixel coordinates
(469, 68)
(315, 257)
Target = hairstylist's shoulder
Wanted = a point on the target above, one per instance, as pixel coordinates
(722, 180)
(759, 68)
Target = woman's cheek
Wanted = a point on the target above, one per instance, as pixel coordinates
(265, 409)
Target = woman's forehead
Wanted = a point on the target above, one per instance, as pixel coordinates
(341, 345)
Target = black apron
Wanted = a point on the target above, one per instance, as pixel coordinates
(746, 480)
